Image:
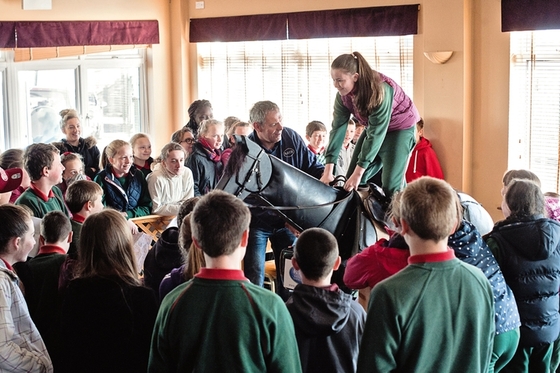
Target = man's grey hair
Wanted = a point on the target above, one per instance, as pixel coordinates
(260, 109)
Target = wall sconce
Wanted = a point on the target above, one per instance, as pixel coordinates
(439, 57)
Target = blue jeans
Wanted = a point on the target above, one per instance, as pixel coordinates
(256, 249)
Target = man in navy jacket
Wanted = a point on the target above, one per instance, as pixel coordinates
(285, 144)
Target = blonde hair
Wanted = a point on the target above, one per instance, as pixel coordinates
(107, 252)
(205, 126)
(66, 115)
(113, 148)
(69, 156)
(137, 137)
(236, 125)
(193, 258)
(230, 121)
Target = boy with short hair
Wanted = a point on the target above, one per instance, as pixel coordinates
(42, 163)
(40, 276)
(21, 347)
(328, 323)
(316, 133)
(437, 314)
(345, 155)
(219, 321)
(83, 198)
(423, 159)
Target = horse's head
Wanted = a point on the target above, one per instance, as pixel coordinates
(248, 169)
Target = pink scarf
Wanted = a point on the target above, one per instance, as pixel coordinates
(214, 155)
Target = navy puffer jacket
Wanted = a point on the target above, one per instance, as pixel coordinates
(528, 252)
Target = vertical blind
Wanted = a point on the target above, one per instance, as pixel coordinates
(534, 118)
(295, 74)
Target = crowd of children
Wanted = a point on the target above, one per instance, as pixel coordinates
(444, 281)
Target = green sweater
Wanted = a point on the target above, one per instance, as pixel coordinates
(219, 322)
(429, 317)
(38, 206)
(378, 123)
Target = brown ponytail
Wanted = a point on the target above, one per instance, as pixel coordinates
(369, 86)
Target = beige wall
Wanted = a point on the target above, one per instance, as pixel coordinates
(464, 102)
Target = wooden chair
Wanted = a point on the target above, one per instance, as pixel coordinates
(152, 225)
(269, 269)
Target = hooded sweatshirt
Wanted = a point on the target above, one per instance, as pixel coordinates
(528, 252)
(423, 162)
(329, 327)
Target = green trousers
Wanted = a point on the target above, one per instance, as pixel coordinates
(503, 350)
(392, 157)
(531, 359)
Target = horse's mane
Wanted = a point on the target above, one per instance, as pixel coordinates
(237, 158)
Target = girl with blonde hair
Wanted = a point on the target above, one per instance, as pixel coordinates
(206, 161)
(73, 142)
(124, 187)
(142, 152)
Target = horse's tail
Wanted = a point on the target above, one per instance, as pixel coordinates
(237, 158)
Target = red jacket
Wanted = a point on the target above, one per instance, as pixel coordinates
(376, 263)
(423, 162)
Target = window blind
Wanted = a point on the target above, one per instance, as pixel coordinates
(534, 117)
(295, 74)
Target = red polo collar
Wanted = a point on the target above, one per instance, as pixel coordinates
(431, 258)
(78, 218)
(51, 249)
(40, 194)
(221, 274)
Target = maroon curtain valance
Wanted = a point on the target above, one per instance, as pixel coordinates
(524, 15)
(42, 34)
(7, 34)
(240, 28)
(373, 21)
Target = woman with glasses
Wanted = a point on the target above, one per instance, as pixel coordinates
(185, 137)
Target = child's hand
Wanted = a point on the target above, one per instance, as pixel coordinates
(293, 230)
(353, 181)
(133, 227)
(328, 176)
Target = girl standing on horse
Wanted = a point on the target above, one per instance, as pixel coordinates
(389, 115)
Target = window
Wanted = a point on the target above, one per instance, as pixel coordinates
(107, 89)
(534, 117)
(295, 74)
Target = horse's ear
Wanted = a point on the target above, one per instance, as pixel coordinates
(239, 139)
